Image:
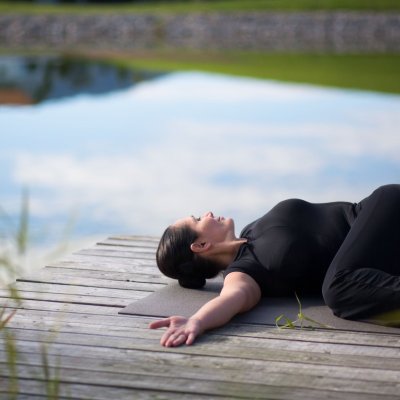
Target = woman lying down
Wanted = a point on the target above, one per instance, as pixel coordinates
(349, 251)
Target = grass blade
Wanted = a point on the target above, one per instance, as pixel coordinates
(301, 317)
(22, 231)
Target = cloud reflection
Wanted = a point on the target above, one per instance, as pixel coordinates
(135, 161)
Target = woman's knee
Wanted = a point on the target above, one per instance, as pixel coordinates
(362, 292)
(336, 293)
(331, 295)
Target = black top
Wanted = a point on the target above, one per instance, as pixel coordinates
(290, 248)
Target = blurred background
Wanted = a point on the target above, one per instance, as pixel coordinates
(120, 117)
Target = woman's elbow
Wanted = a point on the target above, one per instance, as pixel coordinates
(243, 289)
(250, 298)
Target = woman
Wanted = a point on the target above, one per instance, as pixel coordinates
(349, 250)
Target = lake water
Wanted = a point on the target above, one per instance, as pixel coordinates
(123, 153)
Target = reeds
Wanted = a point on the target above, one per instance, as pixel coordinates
(13, 255)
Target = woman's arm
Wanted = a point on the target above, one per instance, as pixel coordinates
(240, 293)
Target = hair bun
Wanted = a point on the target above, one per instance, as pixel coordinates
(192, 282)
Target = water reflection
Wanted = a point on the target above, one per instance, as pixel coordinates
(183, 143)
(31, 80)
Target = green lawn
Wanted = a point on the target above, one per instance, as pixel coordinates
(205, 6)
(367, 72)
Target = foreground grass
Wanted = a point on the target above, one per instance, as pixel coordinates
(205, 6)
(44, 373)
(376, 72)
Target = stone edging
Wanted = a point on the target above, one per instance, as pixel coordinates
(341, 32)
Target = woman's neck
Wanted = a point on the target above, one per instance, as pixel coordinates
(226, 252)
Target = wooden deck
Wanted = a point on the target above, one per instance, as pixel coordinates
(72, 307)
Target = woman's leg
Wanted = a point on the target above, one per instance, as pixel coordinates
(364, 277)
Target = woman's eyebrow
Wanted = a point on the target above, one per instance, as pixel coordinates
(194, 218)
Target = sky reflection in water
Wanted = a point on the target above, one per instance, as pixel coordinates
(134, 161)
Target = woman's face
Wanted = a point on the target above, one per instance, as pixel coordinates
(209, 227)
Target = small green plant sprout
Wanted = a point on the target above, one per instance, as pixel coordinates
(301, 317)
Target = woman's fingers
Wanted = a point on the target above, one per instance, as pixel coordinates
(175, 321)
(161, 323)
(179, 340)
(166, 337)
(173, 339)
(180, 330)
(176, 340)
(190, 338)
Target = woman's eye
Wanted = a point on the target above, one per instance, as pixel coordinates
(198, 218)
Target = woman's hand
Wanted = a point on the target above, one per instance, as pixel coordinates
(240, 293)
(180, 330)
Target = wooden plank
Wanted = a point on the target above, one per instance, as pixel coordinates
(106, 259)
(108, 275)
(118, 254)
(102, 392)
(68, 298)
(31, 388)
(308, 335)
(61, 307)
(137, 249)
(61, 279)
(76, 290)
(110, 266)
(130, 243)
(103, 322)
(135, 238)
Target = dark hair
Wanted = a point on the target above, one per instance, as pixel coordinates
(176, 260)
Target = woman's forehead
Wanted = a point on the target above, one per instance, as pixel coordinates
(184, 221)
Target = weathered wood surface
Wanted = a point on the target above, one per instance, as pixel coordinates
(69, 311)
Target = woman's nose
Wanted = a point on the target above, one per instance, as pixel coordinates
(209, 214)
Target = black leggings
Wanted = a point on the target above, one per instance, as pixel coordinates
(364, 277)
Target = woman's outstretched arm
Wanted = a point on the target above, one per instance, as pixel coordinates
(240, 293)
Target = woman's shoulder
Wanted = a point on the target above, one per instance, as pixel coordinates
(281, 212)
(248, 266)
(291, 204)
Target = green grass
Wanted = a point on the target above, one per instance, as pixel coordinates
(204, 6)
(375, 72)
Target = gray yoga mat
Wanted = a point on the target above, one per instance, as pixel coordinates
(175, 300)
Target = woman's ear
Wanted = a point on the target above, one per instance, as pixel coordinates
(200, 247)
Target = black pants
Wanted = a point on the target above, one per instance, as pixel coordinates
(364, 276)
